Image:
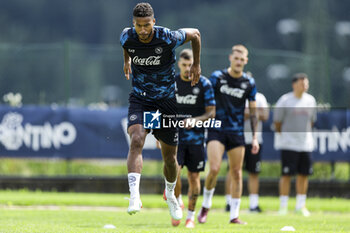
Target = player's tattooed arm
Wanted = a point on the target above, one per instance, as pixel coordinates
(193, 35)
(127, 64)
(253, 116)
(253, 125)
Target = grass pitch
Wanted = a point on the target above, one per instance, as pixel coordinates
(25, 211)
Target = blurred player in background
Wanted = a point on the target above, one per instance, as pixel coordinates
(195, 103)
(252, 162)
(231, 87)
(149, 57)
(294, 117)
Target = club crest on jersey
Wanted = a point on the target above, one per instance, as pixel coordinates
(195, 90)
(244, 85)
(158, 50)
(131, 50)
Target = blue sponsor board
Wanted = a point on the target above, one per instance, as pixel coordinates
(331, 134)
(33, 131)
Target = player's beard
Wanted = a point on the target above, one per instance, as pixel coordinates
(238, 70)
(148, 36)
(186, 76)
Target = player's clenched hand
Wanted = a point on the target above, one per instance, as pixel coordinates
(195, 72)
(255, 146)
(127, 69)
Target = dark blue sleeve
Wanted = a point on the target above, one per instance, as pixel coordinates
(214, 78)
(177, 37)
(209, 98)
(253, 91)
(124, 36)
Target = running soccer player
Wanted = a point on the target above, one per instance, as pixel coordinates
(149, 57)
(232, 87)
(294, 117)
(194, 103)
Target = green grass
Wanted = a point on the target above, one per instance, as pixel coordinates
(159, 221)
(20, 212)
(58, 167)
(28, 198)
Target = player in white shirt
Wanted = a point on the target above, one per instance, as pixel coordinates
(294, 117)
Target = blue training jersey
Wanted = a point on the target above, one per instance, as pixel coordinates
(230, 95)
(152, 63)
(192, 101)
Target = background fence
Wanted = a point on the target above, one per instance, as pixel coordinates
(79, 74)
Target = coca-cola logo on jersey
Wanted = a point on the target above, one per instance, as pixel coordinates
(236, 92)
(147, 61)
(187, 99)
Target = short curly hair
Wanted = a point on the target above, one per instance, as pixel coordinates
(186, 54)
(143, 9)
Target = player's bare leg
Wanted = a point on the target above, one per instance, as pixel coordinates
(194, 187)
(284, 185)
(253, 183)
(170, 171)
(170, 168)
(215, 151)
(302, 184)
(178, 188)
(178, 196)
(134, 162)
(236, 157)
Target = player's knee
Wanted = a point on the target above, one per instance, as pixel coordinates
(194, 179)
(170, 159)
(214, 170)
(196, 190)
(237, 173)
(136, 141)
